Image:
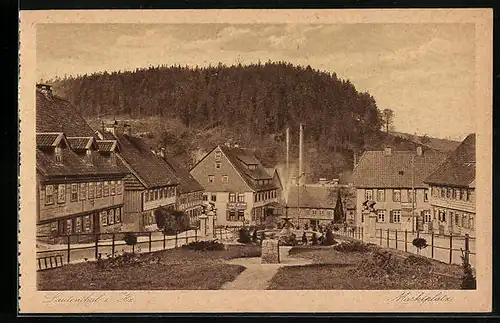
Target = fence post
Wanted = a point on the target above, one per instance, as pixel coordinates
(406, 240)
(186, 237)
(396, 239)
(432, 245)
(451, 247)
(164, 239)
(113, 246)
(387, 238)
(96, 246)
(69, 248)
(176, 238)
(150, 240)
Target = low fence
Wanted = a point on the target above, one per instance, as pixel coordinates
(108, 245)
(446, 248)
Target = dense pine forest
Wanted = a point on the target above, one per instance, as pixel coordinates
(189, 110)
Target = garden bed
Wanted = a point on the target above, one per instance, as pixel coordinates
(366, 267)
(173, 269)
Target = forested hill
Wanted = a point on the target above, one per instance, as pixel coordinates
(250, 103)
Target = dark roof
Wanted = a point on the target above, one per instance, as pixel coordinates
(376, 169)
(76, 165)
(106, 145)
(58, 115)
(51, 139)
(430, 142)
(151, 170)
(460, 167)
(81, 143)
(312, 197)
(187, 183)
(240, 158)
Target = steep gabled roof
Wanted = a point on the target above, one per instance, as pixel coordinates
(376, 169)
(236, 157)
(312, 197)
(49, 139)
(187, 183)
(459, 169)
(151, 170)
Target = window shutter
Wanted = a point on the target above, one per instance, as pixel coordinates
(391, 219)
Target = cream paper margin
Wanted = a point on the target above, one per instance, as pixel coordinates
(33, 301)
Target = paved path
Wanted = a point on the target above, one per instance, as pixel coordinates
(257, 276)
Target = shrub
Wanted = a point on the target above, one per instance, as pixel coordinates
(352, 246)
(314, 239)
(130, 240)
(329, 240)
(254, 236)
(420, 243)
(204, 245)
(418, 260)
(468, 278)
(244, 236)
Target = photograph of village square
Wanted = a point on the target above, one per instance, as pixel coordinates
(255, 157)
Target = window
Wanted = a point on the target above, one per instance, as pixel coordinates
(98, 189)
(443, 192)
(442, 216)
(111, 217)
(61, 193)
(241, 215)
(471, 221)
(118, 216)
(314, 212)
(155, 194)
(49, 194)
(106, 188)
(396, 195)
(74, 192)
(468, 195)
(457, 219)
(69, 226)
(91, 190)
(225, 179)
(78, 224)
(232, 197)
(87, 223)
(231, 215)
(104, 218)
(205, 197)
(462, 195)
(218, 155)
(426, 195)
(214, 197)
(252, 166)
(58, 154)
(380, 195)
(448, 193)
(83, 191)
(113, 188)
(368, 194)
(217, 164)
(119, 188)
(381, 215)
(457, 194)
(210, 178)
(241, 197)
(427, 216)
(320, 212)
(465, 220)
(396, 216)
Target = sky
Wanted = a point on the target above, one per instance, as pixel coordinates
(423, 72)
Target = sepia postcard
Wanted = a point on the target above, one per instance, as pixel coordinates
(255, 161)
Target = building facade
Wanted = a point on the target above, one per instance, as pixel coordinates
(453, 195)
(80, 183)
(394, 180)
(150, 184)
(238, 185)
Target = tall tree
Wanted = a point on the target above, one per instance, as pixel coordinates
(388, 116)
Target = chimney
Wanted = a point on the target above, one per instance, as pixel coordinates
(45, 89)
(419, 151)
(387, 151)
(301, 152)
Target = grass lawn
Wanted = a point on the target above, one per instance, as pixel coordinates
(363, 271)
(173, 269)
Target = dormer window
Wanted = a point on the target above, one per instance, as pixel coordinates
(252, 166)
(218, 155)
(112, 158)
(58, 154)
(88, 156)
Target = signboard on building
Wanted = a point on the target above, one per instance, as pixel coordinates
(236, 205)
